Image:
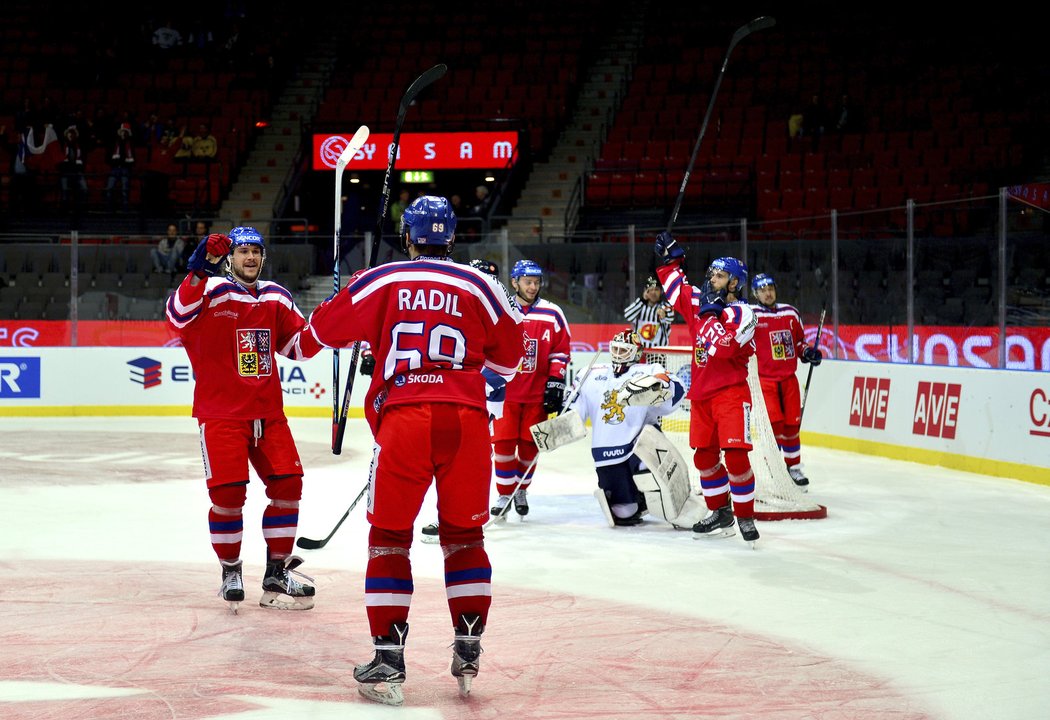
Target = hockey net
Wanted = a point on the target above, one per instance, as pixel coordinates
(776, 495)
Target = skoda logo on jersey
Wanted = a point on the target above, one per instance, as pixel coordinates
(400, 380)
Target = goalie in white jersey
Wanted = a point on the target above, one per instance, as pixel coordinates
(624, 401)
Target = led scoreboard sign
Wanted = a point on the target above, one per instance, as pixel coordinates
(421, 151)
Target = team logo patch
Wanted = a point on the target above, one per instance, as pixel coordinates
(614, 414)
(782, 346)
(528, 362)
(254, 354)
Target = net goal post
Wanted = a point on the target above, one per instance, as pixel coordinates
(776, 495)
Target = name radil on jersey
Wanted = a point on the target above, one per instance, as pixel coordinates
(432, 299)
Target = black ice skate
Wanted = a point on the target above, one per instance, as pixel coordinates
(466, 651)
(521, 502)
(798, 477)
(498, 511)
(381, 679)
(430, 533)
(747, 530)
(281, 590)
(718, 524)
(232, 590)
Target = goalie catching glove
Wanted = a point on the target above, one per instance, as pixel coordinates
(648, 390)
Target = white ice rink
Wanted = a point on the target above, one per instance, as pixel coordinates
(925, 593)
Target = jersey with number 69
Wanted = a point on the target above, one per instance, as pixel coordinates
(432, 325)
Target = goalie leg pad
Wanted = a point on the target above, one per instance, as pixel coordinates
(667, 488)
(603, 503)
(560, 430)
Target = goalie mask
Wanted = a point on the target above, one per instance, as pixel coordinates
(625, 349)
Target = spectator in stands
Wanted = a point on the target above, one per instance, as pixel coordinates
(121, 161)
(167, 37)
(397, 209)
(847, 116)
(814, 121)
(72, 180)
(183, 145)
(204, 147)
(167, 255)
(481, 202)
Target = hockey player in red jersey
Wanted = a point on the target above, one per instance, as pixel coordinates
(719, 421)
(780, 343)
(432, 326)
(536, 391)
(232, 325)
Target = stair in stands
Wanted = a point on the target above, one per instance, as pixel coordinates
(544, 211)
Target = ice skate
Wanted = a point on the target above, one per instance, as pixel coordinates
(718, 524)
(430, 533)
(521, 502)
(748, 531)
(798, 477)
(283, 592)
(497, 510)
(466, 651)
(232, 590)
(381, 679)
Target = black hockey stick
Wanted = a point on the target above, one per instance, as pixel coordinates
(809, 375)
(351, 149)
(308, 544)
(418, 85)
(760, 23)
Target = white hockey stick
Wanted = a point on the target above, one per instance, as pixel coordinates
(565, 406)
(351, 149)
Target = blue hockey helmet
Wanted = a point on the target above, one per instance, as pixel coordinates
(245, 235)
(735, 269)
(526, 268)
(429, 220)
(762, 280)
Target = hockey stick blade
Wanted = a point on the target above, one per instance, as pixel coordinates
(759, 23)
(428, 78)
(356, 143)
(310, 544)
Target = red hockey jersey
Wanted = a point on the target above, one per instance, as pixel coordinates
(546, 353)
(231, 334)
(779, 340)
(718, 359)
(431, 324)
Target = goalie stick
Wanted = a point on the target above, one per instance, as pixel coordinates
(759, 23)
(418, 85)
(809, 375)
(565, 406)
(351, 149)
(308, 544)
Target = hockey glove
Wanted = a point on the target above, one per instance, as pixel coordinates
(812, 354)
(712, 302)
(215, 245)
(368, 364)
(667, 249)
(554, 395)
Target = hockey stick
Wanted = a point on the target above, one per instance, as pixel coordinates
(565, 406)
(809, 375)
(351, 149)
(418, 85)
(308, 544)
(760, 23)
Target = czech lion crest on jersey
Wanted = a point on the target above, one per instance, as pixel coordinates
(254, 355)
